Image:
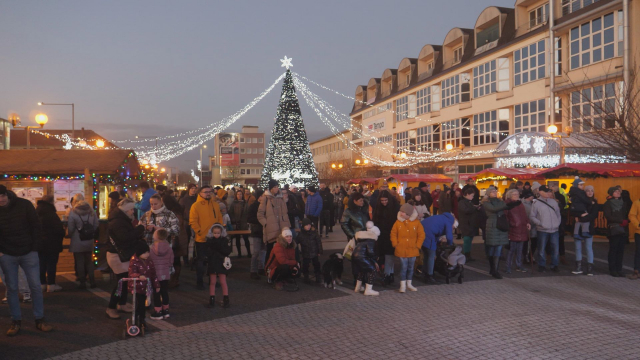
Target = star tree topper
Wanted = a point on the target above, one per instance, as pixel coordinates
(286, 62)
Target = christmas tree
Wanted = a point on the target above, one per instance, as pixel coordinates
(289, 159)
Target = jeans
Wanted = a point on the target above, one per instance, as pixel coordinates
(466, 246)
(30, 263)
(407, 268)
(48, 267)
(84, 266)
(23, 285)
(616, 251)
(636, 259)
(552, 239)
(122, 299)
(247, 244)
(588, 243)
(200, 258)
(389, 261)
(316, 265)
(429, 261)
(258, 255)
(493, 251)
(515, 250)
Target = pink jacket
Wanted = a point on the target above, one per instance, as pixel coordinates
(162, 256)
(139, 267)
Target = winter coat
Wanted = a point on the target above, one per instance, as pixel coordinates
(292, 208)
(163, 218)
(494, 208)
(162, 255)
(580, 202)
(310, 242)
(314, 205)
(407, 236)
(364, 254)
(533, 233)
(217, 249)
(546, 217)
(252, 219)
(614, 212)
(435, 195)
(354, 219)
(594, 211)
(137, 267)
(435, 227)
(186, 203)
(19, 227)
(327, 199)
(385, 219)
(467, 217)
(518, 221)
(203, 214)
(634, 216)
(52, 229)
(123, 233)
(239, 212)
(282, 254)
(77, 217)
(250, 199)
(272, 214)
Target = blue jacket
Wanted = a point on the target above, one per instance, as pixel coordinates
(144, 203)
(436, 226)
(314, 205)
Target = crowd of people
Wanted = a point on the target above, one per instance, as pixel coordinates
(281, 228)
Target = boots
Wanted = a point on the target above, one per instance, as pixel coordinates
(225, 301)
(634, 276)
(14, 328)
(411, 287)
(468, 257)
(43, 326)
(212, 302)
(403, 286)
(369, 291)
(113, 314)
(589, 269)
(496, 266)
(358, 286)
(128, 308)
(578, 269)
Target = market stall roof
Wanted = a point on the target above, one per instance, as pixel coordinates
(59, 161)
(421, 177)
(605, 170)
(365, 180)
(513, 173)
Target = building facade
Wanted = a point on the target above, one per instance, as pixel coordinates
(488, 94)
(239, 157)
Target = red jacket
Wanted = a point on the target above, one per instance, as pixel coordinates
(139, 267)
(518, 221)
(282, 254)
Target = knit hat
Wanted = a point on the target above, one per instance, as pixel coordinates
(589, 187)
(437, 187)
(286, 232)
(141, 247)
(372, 232)
(535, 185)
(126, 204)
(612, 190)
(416, 192)
(422, 184)
(114, 195)
(527, 183)
(311, 188)
(407, 209)
(306, 221)
(273, 183)
(577, 181)
(526, 193)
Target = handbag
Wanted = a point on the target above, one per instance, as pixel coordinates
(122, 257)
(502, 223)
(348, 250)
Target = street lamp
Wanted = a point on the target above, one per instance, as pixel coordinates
(73, 116)
(203, 147)
(41, 120)
(449, 147)
(553, 131)
(100, 143)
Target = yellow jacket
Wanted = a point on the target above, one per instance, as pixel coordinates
(345, 202)
(634, 216)
(407, 236)
(203, 214)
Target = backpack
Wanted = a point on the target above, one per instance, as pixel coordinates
(87, 231)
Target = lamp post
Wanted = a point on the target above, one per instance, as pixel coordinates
(449, 147)
(73, 116)
(202, 147)
(41, 120)
(553, 131)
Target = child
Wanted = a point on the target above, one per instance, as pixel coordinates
(162, 256)
(407, 236)
(282, 264)
(580, 204)
(218, 248)
(364, 257)
(311, 244)
(141, 267)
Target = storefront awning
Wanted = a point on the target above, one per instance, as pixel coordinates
(604, 170)
(421, 177)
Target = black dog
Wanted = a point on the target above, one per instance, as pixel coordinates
(332, 271)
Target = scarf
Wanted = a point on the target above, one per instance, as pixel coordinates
(159, 211)
(616, 204)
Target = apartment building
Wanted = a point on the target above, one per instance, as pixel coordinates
(239, 157)
(492, 91)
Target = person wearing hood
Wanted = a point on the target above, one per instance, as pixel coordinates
(51, 245)
(617, 234)
(282, 264)
(311, 245)
(384, 217)
(218, 249)
(545, 215)
(238, 213)
(161, 254)
(83, 249)
(435, 227)
(159, 217)
(407, 237)
(496, 238)
(364, 258)
(273, 215)
(123, 238)
(354, 219)
(313, 207)
(203, 214)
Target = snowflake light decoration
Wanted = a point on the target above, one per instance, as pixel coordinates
(286, 62)
(513, 146)
(539, 144)
(525, 143)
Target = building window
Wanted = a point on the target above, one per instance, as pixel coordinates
(399, 171)
(424, 100)
(569, 6)
(490, 34)
(369, 113)
(484, 79)
(385, 139)
(429, 138)
(538, 16)
(242, 140)
(558, 57)
(531, 116)
(260, 140)
(435, 97)
(529, 63)
(456, 132)
(504, 75)
(260, 151)
(595, 108)
(370, 142)
(242, 151)
(490, 127)
(242, 172)
(241, 161)
(385, 107)
(451, 91)
(593, 41)
(402, 108)
(260, 161)
(402, 141)
(457, 55)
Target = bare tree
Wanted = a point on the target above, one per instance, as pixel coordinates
(232, 173)
(184, 178)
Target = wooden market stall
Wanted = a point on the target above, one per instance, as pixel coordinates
(501, 178)
(403, 181)
(370, 183)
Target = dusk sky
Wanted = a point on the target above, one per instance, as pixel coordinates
(156, 68)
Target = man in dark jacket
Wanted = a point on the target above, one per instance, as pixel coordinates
(426, 194)
(19, 242)
(52, 236)
(325, 215)
(313, 208)
(259, 250)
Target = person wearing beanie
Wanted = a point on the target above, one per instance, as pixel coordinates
(114, 199)
(282, 264)
(407, 236)
(51, 242)
(425, 189)
(273, 215)
(219, 247)
(354, 219)
(364, 257)
(259, 250)
(527, 186)
(617, 230)
(143, 268)
(418, 203)
(273, 183)
(203, 214)
(311, 245)
(83, 250)
(313, 207)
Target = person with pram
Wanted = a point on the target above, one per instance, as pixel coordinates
(435, 227)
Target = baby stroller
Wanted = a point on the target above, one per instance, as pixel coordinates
(132, 328)
(449, 262)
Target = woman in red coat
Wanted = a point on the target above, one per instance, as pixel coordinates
(518, 230)
(282, 263)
